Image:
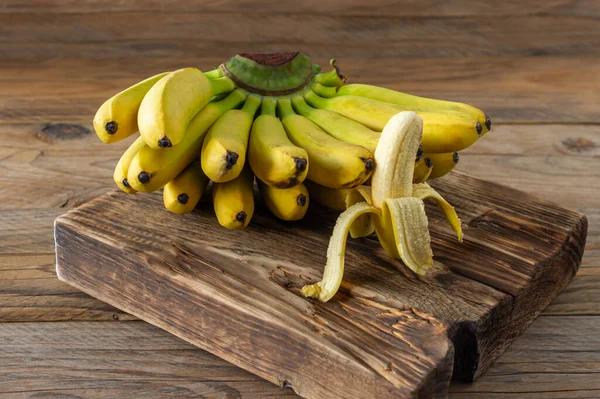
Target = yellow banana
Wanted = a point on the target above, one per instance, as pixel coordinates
(234, 201)
(286, 204)
(333, 163)
(172, 102)
(120, 174)
(116, 119)
(338, 126)
(423, 169)
(442, 164)
(443, 131)
(181, 194)
(224, 149)
(410, 101)
(332, 198)
(153, 168)
(274, 159)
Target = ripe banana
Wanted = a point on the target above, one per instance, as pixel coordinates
(116, 119)
(333, 163)
(410, 101)
(181, 194)
(120, 174)
(338, 126)
(153, 168)
(234, 201)
(224, 149)
(442, 164)
(274, 159)
(172, 102)
(286, 204)
(422, 171)
(332, 198)
(443, 131)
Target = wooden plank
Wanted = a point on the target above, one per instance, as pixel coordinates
(116, 360)
(29, 290)
(430, 8)
(503, 288)
(134, 33)
(509, 89)
(557, 357)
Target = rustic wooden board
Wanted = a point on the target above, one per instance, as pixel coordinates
(387, 333)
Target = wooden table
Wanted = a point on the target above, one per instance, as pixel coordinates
(534, 68)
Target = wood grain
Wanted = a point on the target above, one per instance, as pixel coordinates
(504, 287)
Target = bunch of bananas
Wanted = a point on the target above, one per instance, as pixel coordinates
(276, 120)
(288, 121)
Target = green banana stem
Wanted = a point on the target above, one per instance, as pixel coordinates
(269, 105)
(284, 106)
(222, 85)
(214, 74)
(314, 100)
(251, 105)
(324, 91)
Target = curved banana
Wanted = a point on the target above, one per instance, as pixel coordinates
(423, 169)
(443, 131)
(120, 174)
(274, 159)
(442, 164)
(332, 198)
(234, 201)
(224, 149)
(338, 126)
(116, 119)
(333, 163)
(153, 168)
(173, 101)
(324, 91)
(181, 194)
(286, 204)
(411, 101)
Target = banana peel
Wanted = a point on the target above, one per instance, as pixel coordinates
(392, 207)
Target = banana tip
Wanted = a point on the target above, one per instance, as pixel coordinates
(183, 198)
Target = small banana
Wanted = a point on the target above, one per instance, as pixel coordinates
(120, 174)
(274, 159)
(443, 131)
(410, 101)
(234, 201)
(181, 194)
(338, 126)
(423, 169)
(394, 206)
(332, 198)
(153, 168)
(224, 149)
(286, 204)
(333, 163)
(442, 164)
(173, 101)
(116, 119)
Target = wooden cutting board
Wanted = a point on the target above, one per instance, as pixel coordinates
(387, 333)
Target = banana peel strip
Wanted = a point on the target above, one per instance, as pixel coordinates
(363, 226)
(424, 191)
(325, 289)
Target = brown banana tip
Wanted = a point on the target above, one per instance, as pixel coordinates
(164, 143)
(144, 177)
(125, 183)
(478, 127)
(183, 198)
(241, 216)
(488, 123)
(111, 127)
(455, 157)
(300, 164)
(420, 152)
(428, 162)
(231, 159)
(301, 200)
(369, 164)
